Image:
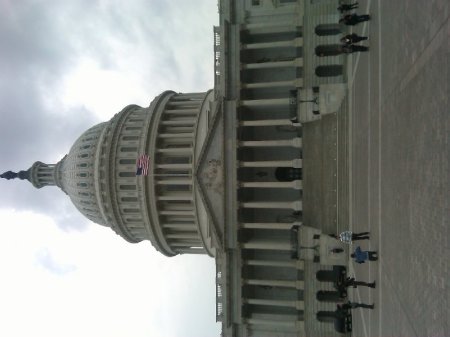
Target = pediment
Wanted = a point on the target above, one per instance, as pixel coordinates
(209, 174)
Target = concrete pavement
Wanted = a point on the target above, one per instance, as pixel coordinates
(399, 172)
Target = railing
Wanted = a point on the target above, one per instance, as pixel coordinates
(217, 60)
(219, 294)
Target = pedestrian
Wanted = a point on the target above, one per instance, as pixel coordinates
(354, 19)
(351, 282)
(353, 38)
(347, 7)
(361, 256)
(352, 305)
(349, 236)
(351, 48)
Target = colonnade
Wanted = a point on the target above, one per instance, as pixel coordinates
(173, 173)
(269, 73)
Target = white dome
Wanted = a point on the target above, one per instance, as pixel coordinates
(78, 172)
(163, 206)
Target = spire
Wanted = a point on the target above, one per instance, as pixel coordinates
(12, 175)
(39, 174)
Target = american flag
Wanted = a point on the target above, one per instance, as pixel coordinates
(142, 165)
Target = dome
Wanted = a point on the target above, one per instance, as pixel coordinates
(78, 173)
(163, 205)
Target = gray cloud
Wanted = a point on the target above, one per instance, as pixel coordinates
(42, 41)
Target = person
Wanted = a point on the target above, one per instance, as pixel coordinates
(352, 305)
(351, 282)
(351, 48)
(347, 7)
(354, 19)
(349, 236)
(353, 38)
(361, 256)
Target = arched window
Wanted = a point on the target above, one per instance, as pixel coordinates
(328, 29)
(329, 71)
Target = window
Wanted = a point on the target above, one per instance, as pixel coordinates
(128, 187)
(128, 149)
(127, 161)
(129, 199)
(130, 138)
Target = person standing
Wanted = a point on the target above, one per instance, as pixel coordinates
(347, 7)
(354, 19)
(351, 48)
(353, 38)
(352, 305)
(349, 236)
(351, 282)
(361, 256)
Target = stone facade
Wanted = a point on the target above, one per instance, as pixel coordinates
(226, 168)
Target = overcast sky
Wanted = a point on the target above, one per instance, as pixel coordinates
(65, 66)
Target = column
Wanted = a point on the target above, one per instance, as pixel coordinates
(296, 163)
(266, 102)
(188, 121)
(176, 150)
(180, 226)
(181, 111)
(298, 264)
(175, 196)
(295, 205)
(265, 244)
(174, 166)
(266, 122)
(184, 103)
(187, 135)
(197, 244)
(191, 250)
(297, 42)
(297, 62)
(175, 182)
(275, 283)
(175, 212)
(294, 142)
(293, 83)
(299, 305)
(270, 225)
(295, 184)
(182, 236)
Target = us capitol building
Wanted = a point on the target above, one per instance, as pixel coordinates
(252, 173)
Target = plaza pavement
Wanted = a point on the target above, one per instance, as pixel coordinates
(399, 167)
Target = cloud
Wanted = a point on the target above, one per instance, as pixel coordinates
(46, 260)
(67, 65)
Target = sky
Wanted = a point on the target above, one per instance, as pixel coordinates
(65, 66)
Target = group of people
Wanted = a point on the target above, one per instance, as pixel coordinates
(348, 41)
(360, 256)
